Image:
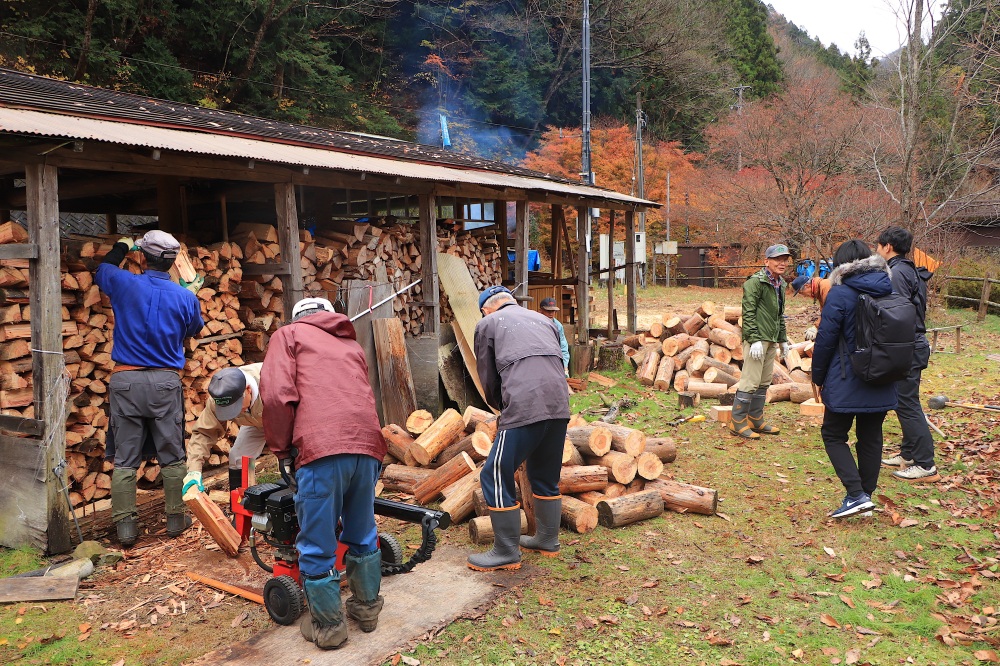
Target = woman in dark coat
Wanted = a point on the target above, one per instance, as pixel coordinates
(846, 396)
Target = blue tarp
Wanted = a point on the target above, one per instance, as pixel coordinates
(534, 263)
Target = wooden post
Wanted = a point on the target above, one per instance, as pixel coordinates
(583, 276)
(558, 222)
(521, 252)
(631, 268)
(984, 298)
(428, 267)
(47, 367)
(500, 219)
(168, 204)
(288, 242)
(225, 218)
(110, 223)
(611, 274)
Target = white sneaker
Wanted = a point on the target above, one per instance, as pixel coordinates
(896, 461)
(918, 473)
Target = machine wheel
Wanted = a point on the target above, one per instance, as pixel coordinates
(284, 599)
(392, 552)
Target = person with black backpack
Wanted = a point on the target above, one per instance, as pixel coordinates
(859, 276)
(915, 460)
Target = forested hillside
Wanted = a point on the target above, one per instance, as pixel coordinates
(499, 71)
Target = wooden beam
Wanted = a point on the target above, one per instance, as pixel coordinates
(281, 268)
(631, 269)
(500, 219)
(521, 252)
(48, 365)
(429, 287)
(22, 424)
(19, 251)
(288, 242)
(583, 274)
(611, 273)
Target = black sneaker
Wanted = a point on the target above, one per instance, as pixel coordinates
(853, 505)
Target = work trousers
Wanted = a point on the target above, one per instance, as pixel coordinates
(757, 374)
(331, 489)
(146, 404)
(541, 445)
(861, 474)
(918, 444)
(249, 442)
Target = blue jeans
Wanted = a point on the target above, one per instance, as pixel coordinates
(339, 487)
(541, 445)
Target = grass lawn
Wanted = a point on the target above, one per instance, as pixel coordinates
(771, 580)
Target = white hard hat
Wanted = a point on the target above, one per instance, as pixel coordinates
(312, 304)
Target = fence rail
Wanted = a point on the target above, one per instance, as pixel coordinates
(983, 301)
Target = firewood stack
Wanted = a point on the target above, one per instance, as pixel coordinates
(612, 475)
(700, 355)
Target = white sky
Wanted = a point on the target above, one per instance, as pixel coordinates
(841, 21)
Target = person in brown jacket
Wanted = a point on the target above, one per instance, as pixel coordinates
(320, 421)
(234, 395)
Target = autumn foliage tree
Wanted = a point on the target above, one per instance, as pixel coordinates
(613, 160)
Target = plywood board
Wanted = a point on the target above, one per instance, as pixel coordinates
(463, 297)
(433, 595)
(398, 397)
(23, 492)
(38, 588)
(361, 293)
(422, 352)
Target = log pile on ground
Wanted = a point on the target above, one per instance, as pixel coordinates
(240, 311)
(700, 355)
(612, 475)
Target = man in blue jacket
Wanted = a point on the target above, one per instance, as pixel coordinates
(915, 460)
(153, 316)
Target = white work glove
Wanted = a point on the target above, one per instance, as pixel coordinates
(129, 243)
(784, 350)
(566, 371)
(757, 351)
(810, 333)
(192, 479)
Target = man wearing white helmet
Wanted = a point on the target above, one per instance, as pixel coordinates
(320, 421)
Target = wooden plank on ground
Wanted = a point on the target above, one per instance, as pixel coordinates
(398, 397)
(38, 588)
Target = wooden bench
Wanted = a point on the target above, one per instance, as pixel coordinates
(958, 337)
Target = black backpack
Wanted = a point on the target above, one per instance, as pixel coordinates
(884, 337)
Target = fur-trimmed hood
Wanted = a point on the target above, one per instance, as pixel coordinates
(872, 264)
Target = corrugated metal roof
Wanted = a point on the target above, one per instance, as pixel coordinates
(45, 107)
(22, 121)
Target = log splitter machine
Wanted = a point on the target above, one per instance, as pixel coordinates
(267, 511)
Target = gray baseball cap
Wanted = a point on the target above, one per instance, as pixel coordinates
(778, 250)
(226, 388)
(159, 244)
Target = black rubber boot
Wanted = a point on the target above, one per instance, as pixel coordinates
(548, 514)
(128, 531)
(364, 575)
(756, 414)
(506, 551)
(123, 509)
(740, 423)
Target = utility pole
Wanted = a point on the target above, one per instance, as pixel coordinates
(640, 181)
(586, 170)
(739, 112)
(666, 257)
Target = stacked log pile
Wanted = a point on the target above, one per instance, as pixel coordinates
(700, 355)
(344, 250)
(612, 475)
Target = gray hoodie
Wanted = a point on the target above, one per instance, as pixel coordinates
(520, 366)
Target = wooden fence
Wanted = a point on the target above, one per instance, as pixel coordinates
(983, 301)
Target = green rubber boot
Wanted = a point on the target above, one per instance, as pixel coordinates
(173, 483)
(123, 509)
(364, 575)
(324, 623)
(506, 551)
(548, 514)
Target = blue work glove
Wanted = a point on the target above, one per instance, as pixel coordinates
(757, 351)
(192, 479)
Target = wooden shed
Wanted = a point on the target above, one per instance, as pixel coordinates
(201, 173)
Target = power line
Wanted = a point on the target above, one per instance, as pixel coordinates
(305, 91)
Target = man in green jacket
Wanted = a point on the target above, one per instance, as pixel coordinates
(764, 338)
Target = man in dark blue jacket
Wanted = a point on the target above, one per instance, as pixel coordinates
(153, 316)
(915, 460)
(847, 397)
(520, 366)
